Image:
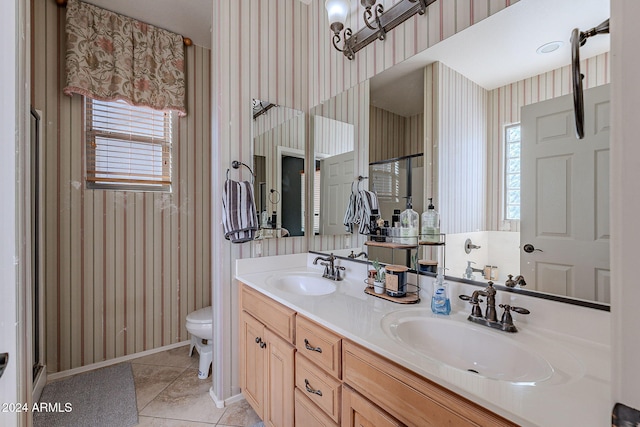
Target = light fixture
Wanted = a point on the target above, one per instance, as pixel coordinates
(549, 47)
(378, 22)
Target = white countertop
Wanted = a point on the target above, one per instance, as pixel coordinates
(578, 393)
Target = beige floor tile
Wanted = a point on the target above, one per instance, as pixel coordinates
(150, 380)
(178, 357)
(187, 398)
(239, 414)
(167, 422)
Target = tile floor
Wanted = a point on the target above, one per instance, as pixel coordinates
(170, 394)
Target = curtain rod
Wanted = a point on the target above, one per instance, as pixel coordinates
(187, 41)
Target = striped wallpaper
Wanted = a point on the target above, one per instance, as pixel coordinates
(458, 109)
(122, 269)
(331, 137)
(392, 135)
(504, 105)
(281, 51)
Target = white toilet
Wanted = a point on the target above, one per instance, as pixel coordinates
(200, 326)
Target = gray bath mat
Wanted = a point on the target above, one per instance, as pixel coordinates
(105, 397)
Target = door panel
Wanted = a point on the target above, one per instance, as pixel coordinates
(565, 197)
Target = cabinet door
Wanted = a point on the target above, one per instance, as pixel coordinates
(280, 382)
(309, 415)
(253, 357)
(359, 412)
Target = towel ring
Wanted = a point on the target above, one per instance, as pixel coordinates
(271, 193)
(236, 165)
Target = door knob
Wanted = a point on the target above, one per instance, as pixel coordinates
(528, 248)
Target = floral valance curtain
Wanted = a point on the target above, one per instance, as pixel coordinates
(111, 57)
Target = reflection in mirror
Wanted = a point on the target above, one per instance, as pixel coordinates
(278, 158)
(475, 146)
(333, 143)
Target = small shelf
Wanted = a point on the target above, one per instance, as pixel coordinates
(431, 243)
(390, 245)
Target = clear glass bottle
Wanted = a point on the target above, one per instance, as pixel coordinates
(430, 224)
(409, 220)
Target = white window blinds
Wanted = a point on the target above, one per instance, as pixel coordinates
(127, 147)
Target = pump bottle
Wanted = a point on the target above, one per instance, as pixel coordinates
(409, 220)
(440, 303)
(430, 224)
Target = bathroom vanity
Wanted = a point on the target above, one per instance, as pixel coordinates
(316, 354)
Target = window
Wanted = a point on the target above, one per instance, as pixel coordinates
(386, 180)
(127, 147)
(512, 172)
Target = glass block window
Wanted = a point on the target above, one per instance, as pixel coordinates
(512, 172)
(127, 147)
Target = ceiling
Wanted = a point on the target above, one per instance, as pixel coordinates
(190, 18)
(498, 50)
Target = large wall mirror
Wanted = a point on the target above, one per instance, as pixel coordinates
(499, 146)
(279, 135)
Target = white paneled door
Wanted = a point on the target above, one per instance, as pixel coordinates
(336, 177)
(564, 235)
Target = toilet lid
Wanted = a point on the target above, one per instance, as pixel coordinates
(204, 315)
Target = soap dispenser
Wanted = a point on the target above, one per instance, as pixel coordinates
(468, 272)
(440, 303)
(409, 220)
(431, 224)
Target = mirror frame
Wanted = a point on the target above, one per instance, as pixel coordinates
(517, 291)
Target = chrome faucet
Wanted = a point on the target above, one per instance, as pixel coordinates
(331, 271)
(353, 255)
(490, 317)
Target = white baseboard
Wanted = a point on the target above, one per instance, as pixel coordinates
(226, 402)
(103, 364)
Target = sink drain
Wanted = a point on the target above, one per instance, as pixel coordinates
(473, 370)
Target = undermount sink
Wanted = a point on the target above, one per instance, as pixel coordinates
(467, 347)
(304, 284)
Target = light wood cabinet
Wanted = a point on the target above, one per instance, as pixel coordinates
(309, 415)
(411, 399)
(359, 412)
(325, 380)
(252, 362)
(267, 358)
(319, 367)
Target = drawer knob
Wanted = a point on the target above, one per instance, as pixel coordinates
(310, 389)
(310, 348)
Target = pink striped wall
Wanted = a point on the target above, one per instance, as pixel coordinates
(281, 51)
(458, 113)
(504, 105)
(332, 73)
(122, 269)
(392, 135)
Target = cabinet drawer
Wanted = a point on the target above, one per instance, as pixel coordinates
(319, 345)
(408, 397)
(359, 412)
(320, 387)
(273, 315)
(309, 415)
